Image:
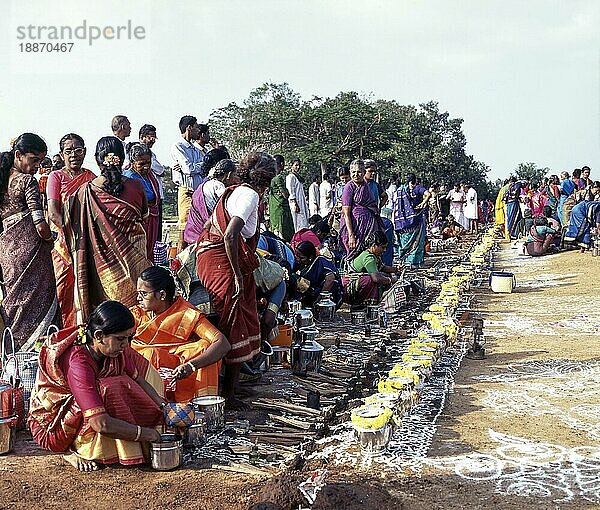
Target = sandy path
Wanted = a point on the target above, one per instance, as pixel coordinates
(525, 422)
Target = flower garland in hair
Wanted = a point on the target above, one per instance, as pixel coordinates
(81, 335)
(12, 142)
(112, 159)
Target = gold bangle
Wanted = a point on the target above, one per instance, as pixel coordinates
(273, 307)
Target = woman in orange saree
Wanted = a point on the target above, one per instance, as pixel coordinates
(93, 394)
(61, 185)
(105, 233)
(176, 338)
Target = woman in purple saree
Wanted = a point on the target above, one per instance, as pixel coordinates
(360, 214)
(207, 195)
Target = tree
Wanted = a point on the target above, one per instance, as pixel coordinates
(329, 132)
(531, 172)
(170, 192)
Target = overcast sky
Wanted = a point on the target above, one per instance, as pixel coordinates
(524, 75)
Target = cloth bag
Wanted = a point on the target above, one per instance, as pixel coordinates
(268, 274)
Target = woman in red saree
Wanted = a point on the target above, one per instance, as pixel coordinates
(226, 259)
(176, 338)
(104, 228)
(61, 185)
(93, 394)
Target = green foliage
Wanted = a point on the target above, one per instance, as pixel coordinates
(170, 191)
(531, 172)
(326, 133)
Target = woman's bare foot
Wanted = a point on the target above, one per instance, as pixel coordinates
(235, 404)
(80, 463)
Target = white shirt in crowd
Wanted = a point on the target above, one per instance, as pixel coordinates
(297, 196)
(313, 199)
(391, 194)
(325, 198)
(471, 212)
(243, 203)
(212, 189)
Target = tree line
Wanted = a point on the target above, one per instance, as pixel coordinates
(327, 133)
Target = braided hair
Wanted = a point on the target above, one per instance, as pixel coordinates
(110, 156)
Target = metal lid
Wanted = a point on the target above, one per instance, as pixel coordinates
(207, 401)
(312, 346)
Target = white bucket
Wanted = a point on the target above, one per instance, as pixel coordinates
(502, 282)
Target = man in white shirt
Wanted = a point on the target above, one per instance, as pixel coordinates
(314, 196)
(188, 170)
(391, 193)
(148, 137)
(297, 199)
(121, 128)
(326, 196)
(471, 209)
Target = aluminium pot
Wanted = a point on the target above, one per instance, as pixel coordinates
(374, 441)
(325, 307)
(195, 433)
(279, 355)
(358, 317)
(308, 334)
(166, 455)
(372, 313)
(213, 408)
(307, 357)
(304, 319)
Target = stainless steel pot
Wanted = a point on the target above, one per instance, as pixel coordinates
(166, 455)
(304, 319)
(279, 355)
(325, 307)
(213, 408)
(195, 434)
(306, 357)
(374, 441)
(372, 312)
(308, 334)
(358, 317)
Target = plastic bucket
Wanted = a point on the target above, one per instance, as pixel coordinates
(284, 338)
(502, 282)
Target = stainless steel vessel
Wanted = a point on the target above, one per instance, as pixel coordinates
(166, 455)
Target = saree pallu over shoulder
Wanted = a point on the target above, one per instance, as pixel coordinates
(107, 240)
(30, 305)
(174, 337)
(57, 422)
(238, 318)
(61, 258)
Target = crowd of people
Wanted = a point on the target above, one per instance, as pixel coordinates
(78, 250)
(553, 214)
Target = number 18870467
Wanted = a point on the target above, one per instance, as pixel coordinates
(46, 47)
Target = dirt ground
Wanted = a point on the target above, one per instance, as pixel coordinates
(520, 428)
